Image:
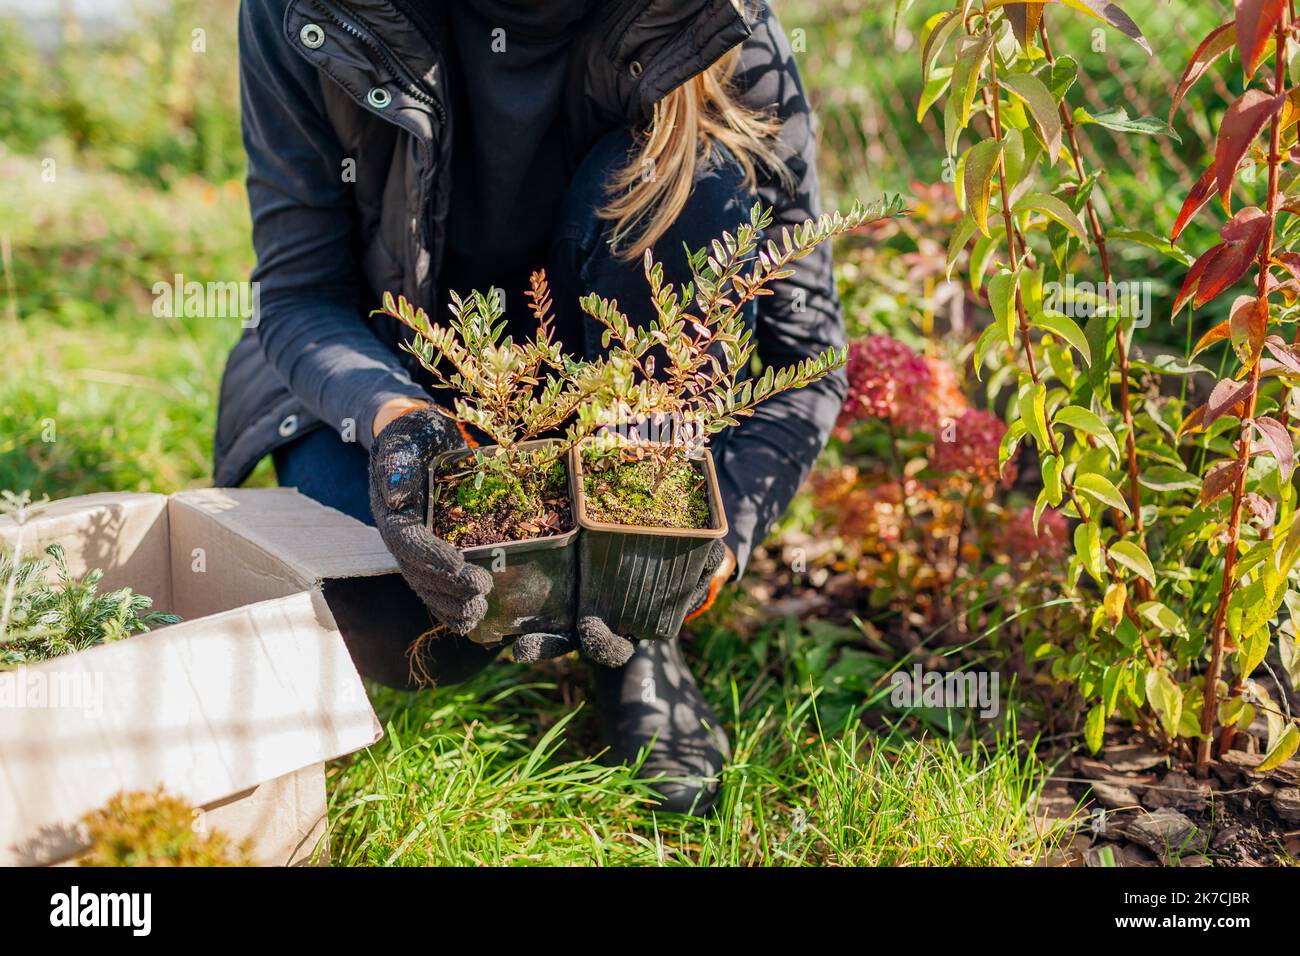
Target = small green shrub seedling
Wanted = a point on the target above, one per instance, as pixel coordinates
(682, 378)
(514, 392)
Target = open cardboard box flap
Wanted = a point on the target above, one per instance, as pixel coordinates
(254, 684)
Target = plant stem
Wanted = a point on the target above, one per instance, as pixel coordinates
(1210, 708)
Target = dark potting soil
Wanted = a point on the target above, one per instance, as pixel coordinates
(503, 509)
(624, 492)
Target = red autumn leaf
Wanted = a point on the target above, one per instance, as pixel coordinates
(1248, 324)
(1113, 14)
(1260, 507)
(1196, 199)
(1194, 275)
(1024, 19)
(1247, 226)
(1217, 334)
(1241, 125)
(1227, 398)
(1192, 423)
(1290, 290)
(1218, 42)
(1290, 261)
(1271, 369)
(1256, 20)
(1242, 236)
(1290, 109)
(1278, 441)
(1221, 476)
(1285, 354)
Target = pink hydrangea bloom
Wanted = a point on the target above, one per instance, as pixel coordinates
(969, 445)
(888, 381)
(1017, 539)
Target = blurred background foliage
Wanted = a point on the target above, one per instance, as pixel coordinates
(139, 125)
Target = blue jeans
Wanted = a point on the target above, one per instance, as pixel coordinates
(334, 472)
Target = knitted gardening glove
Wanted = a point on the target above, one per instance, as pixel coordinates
(454, 592)
(598, 643)
(594, 640)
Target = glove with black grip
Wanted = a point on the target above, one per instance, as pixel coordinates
(601, 645)
(454, 592)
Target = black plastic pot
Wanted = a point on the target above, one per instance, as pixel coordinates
(639, 579)
(533, 581)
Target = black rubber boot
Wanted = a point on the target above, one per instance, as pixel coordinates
(652, 701)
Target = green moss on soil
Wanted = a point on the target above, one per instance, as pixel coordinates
(625, 493)
(504, 508)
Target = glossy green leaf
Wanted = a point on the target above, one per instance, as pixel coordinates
(1149, 239)
(1117, 119)
(1128, 554)
(1090, 424)
(1042, 107)
(1101, 488)
(1094, 727)
(1002, 300)
(1062, 325)
(977, 180)
(1054, 209)
(1059, 76)
(990, 337)
(1165, 698)
(1281, 751)
(1052, 489)
(1168, 478)
(1033, 412)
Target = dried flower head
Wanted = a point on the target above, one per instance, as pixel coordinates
(890, 382)
(1018, 540)
(947, 397)
(969, 447)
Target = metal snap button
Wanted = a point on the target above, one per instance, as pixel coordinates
(312, 36)
(379, 97)
(415, 226)
(289, 425)
(635, 68)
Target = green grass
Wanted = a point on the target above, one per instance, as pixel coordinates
(500, 771)
(105, 395)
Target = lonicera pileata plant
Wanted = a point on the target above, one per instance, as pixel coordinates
(682, 376)
(1184, 536)
(513, 392)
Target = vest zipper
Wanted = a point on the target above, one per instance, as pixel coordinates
(361, 30)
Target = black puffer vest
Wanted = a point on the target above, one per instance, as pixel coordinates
(382, 77)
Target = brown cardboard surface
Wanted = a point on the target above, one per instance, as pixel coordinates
(314, 542)
(231, 709)
(124, 534)
(284, 818)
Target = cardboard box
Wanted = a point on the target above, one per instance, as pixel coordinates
(236, 708)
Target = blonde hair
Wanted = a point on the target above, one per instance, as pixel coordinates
(688, 124)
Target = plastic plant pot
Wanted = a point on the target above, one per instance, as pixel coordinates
(636, 578)
(533, 581)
